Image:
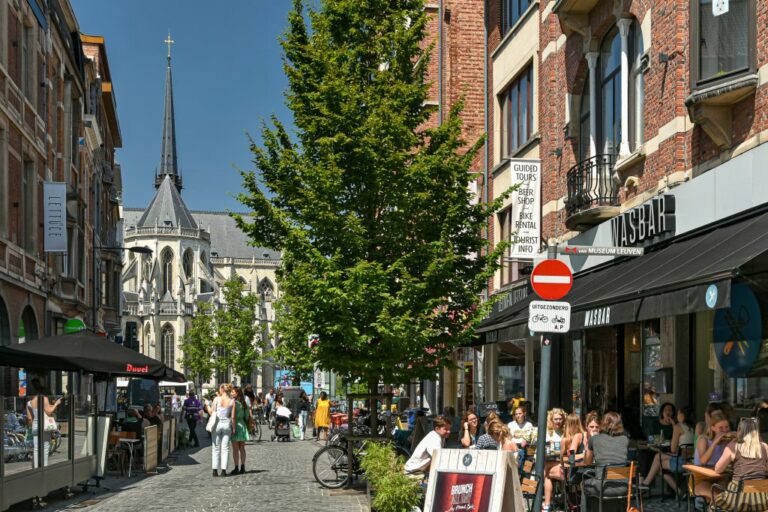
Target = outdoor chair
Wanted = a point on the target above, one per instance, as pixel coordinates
(609, 487)
(116, 456)
(747, 486)
(686, 451)
(529, 488)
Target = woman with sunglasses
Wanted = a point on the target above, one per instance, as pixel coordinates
(750, 460)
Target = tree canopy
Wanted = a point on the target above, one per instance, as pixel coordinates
(382, 239)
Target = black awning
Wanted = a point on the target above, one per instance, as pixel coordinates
(671, 280)
(88, 352)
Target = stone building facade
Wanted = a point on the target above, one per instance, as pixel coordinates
(193, 253)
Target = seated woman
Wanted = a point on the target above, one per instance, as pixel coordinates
(608, 448)
(500, 434)
(667, 415)
(682, 434)
(710, 448)
(486, 441)
(571, 427)
(750, 459)
(470, 429)
(577, 445)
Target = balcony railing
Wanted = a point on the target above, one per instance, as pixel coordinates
(591, 186)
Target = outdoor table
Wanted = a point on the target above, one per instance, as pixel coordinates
(703, 472)
(131, 443)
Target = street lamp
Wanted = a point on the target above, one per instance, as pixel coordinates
(97, 273)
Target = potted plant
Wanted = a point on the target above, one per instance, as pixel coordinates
(392, 490)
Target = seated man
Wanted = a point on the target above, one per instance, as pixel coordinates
(133, 422)
(421, 458)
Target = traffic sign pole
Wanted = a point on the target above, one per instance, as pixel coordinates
(546, 370)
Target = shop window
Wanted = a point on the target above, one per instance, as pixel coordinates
(722, 39)
(577, 377)
(600, 360)
(517, 112)
(511, 370)
(511, 12)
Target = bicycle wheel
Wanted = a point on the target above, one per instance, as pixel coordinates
(329, 465)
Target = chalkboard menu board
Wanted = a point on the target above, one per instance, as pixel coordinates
(487, 407)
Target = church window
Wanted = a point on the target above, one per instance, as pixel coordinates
(188, 263)
(167, 346)
(167, 271)
(266, 289)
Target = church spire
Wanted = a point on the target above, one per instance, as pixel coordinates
(168, 162)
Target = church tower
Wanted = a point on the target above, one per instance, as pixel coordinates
(193, 254)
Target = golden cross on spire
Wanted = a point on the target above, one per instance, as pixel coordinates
(169, 42)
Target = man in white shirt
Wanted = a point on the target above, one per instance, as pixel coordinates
(422, 455)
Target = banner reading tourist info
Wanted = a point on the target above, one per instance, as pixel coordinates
(549, 316)
(525, 228)
(55, 216)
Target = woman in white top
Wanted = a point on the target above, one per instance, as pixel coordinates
(33, 419)
(553, 469)
(225, 427)
(682, 435)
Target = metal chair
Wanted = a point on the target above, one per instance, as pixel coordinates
(686, 452)
(746, 487)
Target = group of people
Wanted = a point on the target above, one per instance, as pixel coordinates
(591, 444)
(229, 417)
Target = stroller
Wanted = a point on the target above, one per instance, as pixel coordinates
(282, 428)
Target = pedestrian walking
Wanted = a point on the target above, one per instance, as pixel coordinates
(242, 413)
(222, 428)
(303, 411)
(322, 419)
(191, 410)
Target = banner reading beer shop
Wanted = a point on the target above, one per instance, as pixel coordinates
(55, 216)
(525, 228)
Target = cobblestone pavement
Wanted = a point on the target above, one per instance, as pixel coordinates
(279, 478)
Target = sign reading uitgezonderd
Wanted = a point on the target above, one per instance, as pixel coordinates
(526, 208)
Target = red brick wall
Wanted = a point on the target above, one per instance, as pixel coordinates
(667, 85)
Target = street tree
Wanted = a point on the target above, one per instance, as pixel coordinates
(236, 327)
(382, 240)
(198, 346)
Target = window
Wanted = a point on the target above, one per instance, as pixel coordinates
(28, 325)
(167, 346)
(584, 133)
(505, 234)
(27, 224)
(511, 11)
(610, 93)
(167, 271)
(3, 186)
(723, 39)
(636, 87)
(27, 61)
(189, 259)
(5, 325)
(266, 289)
(517, 112)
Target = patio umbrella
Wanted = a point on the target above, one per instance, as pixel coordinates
(87, 352)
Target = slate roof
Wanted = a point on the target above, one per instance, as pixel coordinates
(227, 241)
(167, 209)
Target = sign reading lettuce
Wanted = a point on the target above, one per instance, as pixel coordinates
(737, 332)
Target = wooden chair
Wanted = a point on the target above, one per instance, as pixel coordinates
(747, 486)
(611, 475)
(529, 488)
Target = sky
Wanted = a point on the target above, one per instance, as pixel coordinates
(227, 78)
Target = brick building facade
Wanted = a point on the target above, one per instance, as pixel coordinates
(648, 119)
(58, 123)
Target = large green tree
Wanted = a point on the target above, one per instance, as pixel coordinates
(224, 338)
(383, 253)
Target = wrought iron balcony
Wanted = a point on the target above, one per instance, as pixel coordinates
(593, 194)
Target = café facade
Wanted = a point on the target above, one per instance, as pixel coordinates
(683, 323)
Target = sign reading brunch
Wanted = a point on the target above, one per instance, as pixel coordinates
(473, 481)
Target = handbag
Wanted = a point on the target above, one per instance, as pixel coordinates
(296, 431)
(49, 424)
(213, 419)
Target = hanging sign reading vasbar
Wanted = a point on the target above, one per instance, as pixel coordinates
(526, 208)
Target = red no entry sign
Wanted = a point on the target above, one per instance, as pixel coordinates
(551, 279)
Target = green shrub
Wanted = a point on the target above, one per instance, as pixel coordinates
(394, 491)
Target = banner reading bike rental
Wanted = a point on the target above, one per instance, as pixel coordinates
(55, 216)
(525, 226)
